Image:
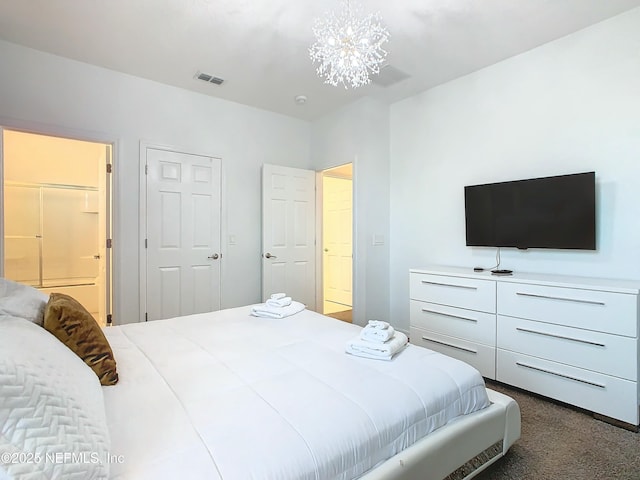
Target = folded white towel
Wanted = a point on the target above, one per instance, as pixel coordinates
(282, 302)
(378, 324)
(264, 310)
(379, 335)
(382, 351)
(278, 296)
(356, 353)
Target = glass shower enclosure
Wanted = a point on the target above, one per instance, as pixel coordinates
(51, 235)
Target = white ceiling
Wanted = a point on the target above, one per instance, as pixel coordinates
(260, 47)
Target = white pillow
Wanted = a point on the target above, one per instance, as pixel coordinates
(22, 301)
(52, 415)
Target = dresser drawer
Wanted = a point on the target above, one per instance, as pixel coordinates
(470, 325)
(467, 293)
(610, 396)
(482, 357)
(595, 351)
(587, 309)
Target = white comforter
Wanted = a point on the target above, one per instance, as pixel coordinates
(225, 395)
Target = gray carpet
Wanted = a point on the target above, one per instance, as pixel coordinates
(562, 443)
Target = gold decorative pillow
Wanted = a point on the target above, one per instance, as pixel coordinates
(70, 322)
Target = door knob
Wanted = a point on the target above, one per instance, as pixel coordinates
(215, 256)
(268, 255)
(326, 249)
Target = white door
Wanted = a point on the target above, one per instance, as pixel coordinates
(183, 234)
(288, 233)
(337, 242)
(104, 235)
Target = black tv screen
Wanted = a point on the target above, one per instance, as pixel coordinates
(551, 212)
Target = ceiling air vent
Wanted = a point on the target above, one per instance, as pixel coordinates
(205, 77)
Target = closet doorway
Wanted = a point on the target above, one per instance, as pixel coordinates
(337, 242)
(56, 215)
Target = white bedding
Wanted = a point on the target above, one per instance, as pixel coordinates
(225, 395)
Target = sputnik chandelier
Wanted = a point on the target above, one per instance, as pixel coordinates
(348, 47)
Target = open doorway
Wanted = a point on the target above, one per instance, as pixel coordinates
(57, 217)
(337, 242)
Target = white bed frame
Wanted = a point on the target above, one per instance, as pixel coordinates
(459, 450)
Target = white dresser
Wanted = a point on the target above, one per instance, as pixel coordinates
(574, 339)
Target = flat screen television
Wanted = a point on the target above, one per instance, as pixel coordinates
(551, 212)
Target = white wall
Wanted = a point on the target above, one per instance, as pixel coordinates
(51, 94)
(570, 106)
(359, 133)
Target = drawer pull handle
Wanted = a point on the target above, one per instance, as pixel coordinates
(588, 342)
(449, 285)
(450, 345)
(426, 310)
(569, 377)
(577, 300)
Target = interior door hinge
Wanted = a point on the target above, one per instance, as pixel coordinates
(146, 317)
(109, 319)
(109, 168)
(146, 245)
(146, 169)
(108, 243)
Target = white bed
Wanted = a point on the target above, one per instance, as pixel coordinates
(229, 396)
(225, 395)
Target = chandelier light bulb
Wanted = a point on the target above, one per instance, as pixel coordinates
(348, 48)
